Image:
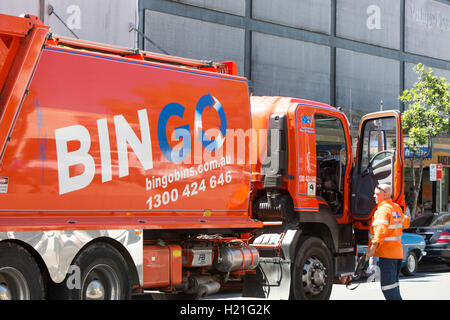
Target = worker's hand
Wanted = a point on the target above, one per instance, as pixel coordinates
(370, 252)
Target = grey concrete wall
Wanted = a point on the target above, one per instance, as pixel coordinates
(363, 80)
(105, 21)
(19, 7)
(288, 67)
(411, 75)
(195, 39)
(372, 21)
(311, 15)
(236, 7)
(427, 28)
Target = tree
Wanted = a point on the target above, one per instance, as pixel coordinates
(427, 117)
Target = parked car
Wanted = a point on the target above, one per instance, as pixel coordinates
(413, 251)
(435, 229)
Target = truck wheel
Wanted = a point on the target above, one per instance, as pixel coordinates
(20, 276)
(99, 273)
(312, 277)
(411, 265)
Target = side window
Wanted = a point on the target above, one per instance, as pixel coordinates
(379, 142)
(331, 153)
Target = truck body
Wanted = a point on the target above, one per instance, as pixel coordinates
(124, 170)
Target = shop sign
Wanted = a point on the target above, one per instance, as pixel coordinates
(421, 151)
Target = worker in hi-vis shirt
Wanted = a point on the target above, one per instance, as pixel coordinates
(385, 240)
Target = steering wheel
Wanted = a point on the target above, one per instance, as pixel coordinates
(324, 154)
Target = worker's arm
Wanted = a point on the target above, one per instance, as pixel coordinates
(406, 221)
(379, 226)
(371, 250)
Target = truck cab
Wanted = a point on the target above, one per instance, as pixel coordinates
(307, 176)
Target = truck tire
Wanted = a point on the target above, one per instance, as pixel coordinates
(20, 276)
(312, 277)
(99, 272)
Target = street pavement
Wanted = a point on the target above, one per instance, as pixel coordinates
(432, 282)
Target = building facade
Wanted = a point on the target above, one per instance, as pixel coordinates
(353, 54)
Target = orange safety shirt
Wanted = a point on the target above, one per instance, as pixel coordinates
(387, 228)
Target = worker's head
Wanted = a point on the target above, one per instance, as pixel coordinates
(382, 192)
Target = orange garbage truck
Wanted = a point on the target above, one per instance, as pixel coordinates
(124, 170)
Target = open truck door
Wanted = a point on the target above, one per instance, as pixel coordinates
(379, 159)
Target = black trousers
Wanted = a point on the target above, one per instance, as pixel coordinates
(389, 278)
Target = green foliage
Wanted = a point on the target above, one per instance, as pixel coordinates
(428, 113)
(427, 116)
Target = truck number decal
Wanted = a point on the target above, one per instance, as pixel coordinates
(189, 190)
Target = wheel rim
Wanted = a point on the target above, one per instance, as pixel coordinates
(314, 276)
(411, 263)
(13, 285)
(101, 283)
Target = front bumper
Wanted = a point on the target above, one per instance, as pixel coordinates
(437, 252)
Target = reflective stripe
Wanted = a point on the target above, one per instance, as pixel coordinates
(396, 226)
(379, 221)
(387, 238)
(392, 238)
(389, 287)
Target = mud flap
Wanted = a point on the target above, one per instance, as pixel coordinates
(273, 276)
